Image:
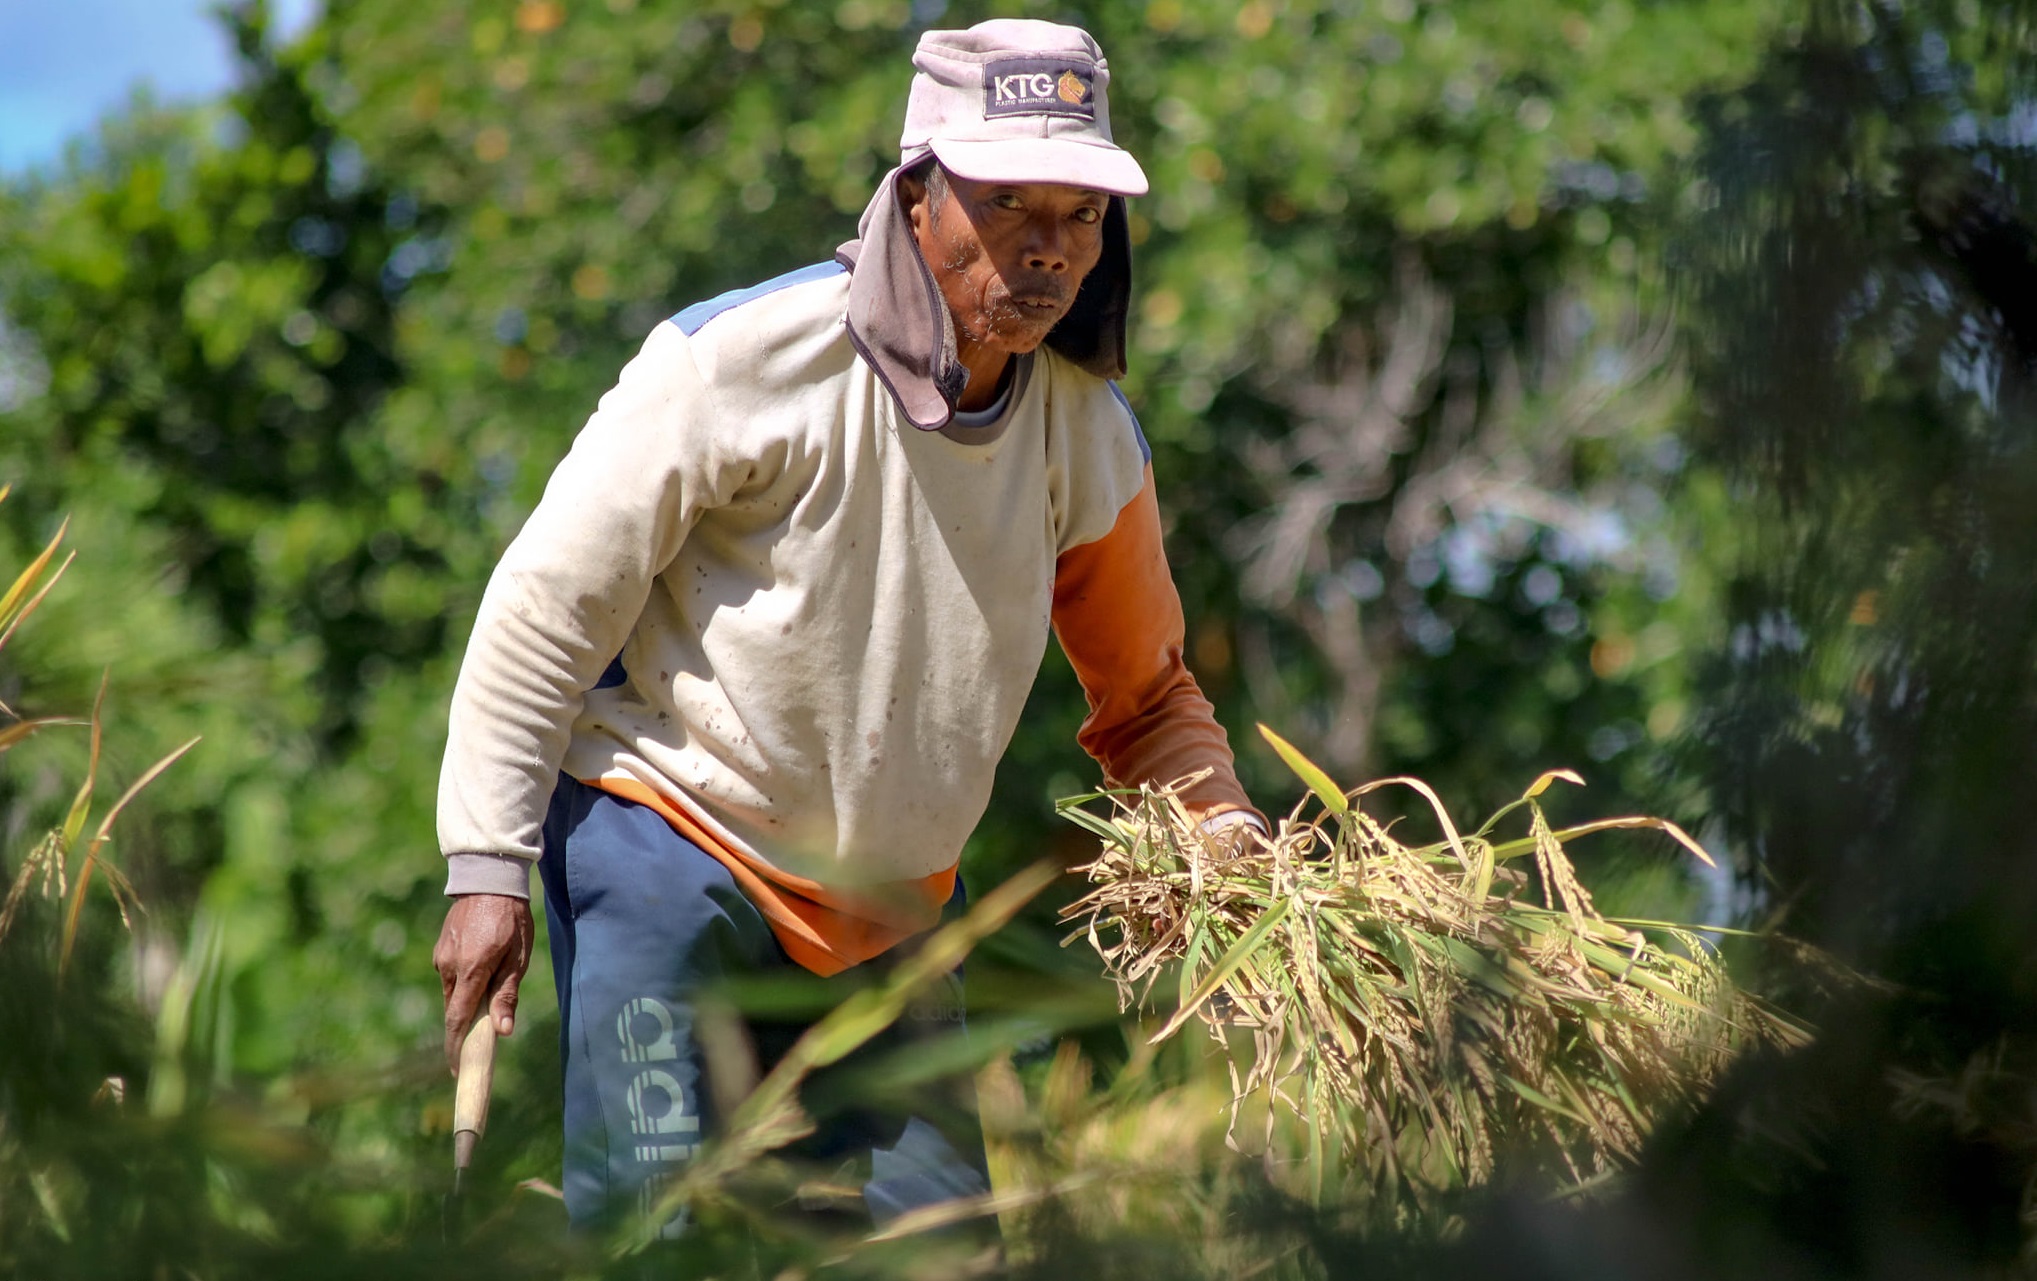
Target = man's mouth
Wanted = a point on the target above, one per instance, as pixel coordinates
(1039, 305)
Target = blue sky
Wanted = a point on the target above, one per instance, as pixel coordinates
(64, 63)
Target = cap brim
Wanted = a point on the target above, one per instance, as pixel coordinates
(1057, 160)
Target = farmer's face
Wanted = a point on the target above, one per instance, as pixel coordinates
(1008, 257)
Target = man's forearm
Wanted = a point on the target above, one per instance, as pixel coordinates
(1120, 623)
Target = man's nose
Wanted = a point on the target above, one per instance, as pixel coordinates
(1047, 246)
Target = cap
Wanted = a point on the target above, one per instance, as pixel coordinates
(1017, 100)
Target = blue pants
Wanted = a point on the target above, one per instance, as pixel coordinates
(642, 923)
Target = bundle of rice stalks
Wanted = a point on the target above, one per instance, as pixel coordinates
(1415, 1009)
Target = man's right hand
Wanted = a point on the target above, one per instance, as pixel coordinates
(481, 955)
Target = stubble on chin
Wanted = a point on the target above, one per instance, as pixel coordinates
(993, 317)
(995, 320)
(1020, 327)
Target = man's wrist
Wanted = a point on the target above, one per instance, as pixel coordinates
(504, 874)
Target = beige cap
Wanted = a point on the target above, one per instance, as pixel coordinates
(1017, 100)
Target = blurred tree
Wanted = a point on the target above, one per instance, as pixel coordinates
(1860, 274)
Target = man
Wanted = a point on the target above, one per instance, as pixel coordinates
(740, 685)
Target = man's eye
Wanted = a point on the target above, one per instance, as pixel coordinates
(1007, 200)
(1089, 213)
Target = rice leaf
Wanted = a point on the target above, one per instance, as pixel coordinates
(19, 730)
(25, 581)
(1541, 784)
(22, 614)
(1308, 772)
(1241, 952)
(1508, 849)
(1428, 794)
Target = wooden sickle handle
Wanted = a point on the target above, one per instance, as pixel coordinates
(470, 1096)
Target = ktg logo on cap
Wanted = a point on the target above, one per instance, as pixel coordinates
(1038, 87)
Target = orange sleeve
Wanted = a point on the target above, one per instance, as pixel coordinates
(1119, 620)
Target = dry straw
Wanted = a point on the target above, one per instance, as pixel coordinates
(49, 861)
(1418, 1010)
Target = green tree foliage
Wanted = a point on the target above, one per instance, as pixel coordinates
(211, 301)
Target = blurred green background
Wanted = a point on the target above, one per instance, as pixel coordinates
(1641, 386)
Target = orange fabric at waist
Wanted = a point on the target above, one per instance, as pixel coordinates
(825, 930)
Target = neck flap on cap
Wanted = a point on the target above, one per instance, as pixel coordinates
(900, 324)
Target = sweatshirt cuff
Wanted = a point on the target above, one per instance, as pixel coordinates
(504, 874)
(1218, 817)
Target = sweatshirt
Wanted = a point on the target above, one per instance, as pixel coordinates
(761, 599)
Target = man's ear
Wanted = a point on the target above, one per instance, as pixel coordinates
(912, 194)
